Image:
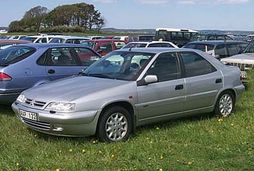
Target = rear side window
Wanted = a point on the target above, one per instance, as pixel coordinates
(15, 54)
(195, 65)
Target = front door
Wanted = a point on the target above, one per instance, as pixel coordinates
(166, 96)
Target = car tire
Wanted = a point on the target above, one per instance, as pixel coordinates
(225, 104)
(115, 124)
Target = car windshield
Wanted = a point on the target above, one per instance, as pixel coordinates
(250, 48)
(14, 54)
(120, 65)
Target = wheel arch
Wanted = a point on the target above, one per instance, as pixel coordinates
(126, 105)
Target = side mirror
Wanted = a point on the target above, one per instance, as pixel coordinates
(151, 79)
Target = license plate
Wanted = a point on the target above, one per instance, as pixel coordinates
(28, 115)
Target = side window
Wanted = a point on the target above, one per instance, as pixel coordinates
(60, 57)
(195, 65)
(86, 56)
(233, 49)
(221, 51)
(165, 67)
(44, 40)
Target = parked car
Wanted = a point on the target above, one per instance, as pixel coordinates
(7, 43)
(104, 46)
(25, 66)
(158, 44)
(244, 61)
(205, 37)
(219, 48)
(37, 38)
(16, 37)
(68, 39)
(146, 38)
(130, 88)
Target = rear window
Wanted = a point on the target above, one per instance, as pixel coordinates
(56, 40)
(135, 45)
(15, 54)
(202, 47)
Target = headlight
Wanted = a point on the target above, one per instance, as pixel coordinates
(61, 107)
(21, 98)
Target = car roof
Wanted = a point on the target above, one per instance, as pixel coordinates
(156, 50)
(104, 40)
(47, 45)
(3, 41)
(216, 42)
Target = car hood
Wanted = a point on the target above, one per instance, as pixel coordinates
(245, 58)
(70, 89)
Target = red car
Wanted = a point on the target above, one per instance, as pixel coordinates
(104, 46)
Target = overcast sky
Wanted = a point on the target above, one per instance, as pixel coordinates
(150, 14)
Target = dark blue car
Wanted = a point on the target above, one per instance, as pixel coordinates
(29, 65)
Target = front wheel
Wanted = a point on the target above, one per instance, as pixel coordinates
(114, 125)
(225, 104)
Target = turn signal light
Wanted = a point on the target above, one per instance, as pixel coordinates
(4, 77)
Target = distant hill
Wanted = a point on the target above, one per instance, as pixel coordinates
(152, 31)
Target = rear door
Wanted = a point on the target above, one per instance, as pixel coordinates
(62, 62)
(203, 81)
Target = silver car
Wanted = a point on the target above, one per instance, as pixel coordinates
(130, 88)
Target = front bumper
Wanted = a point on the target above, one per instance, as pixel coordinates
(74, 124)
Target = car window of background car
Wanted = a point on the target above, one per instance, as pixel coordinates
(250, 48)
(165, 67)
(221, 51)
(88, 44)
(56, 40)
(119, 45)
(195, 65)
(86, 56)
(14, 54)
(233, 49)
(106, 47)
(60, 57)
(160, 45)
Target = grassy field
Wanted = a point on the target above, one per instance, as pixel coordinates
(197, 143)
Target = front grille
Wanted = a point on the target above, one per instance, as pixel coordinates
(37, 124)
(38, 104)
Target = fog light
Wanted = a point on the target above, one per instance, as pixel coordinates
(57, 128)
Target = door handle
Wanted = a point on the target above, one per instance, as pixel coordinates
(51, 71)
(219, 80)
(179, 87)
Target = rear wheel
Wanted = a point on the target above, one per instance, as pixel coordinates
(225, 104)
(114, 125)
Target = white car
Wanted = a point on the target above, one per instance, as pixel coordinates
(68, 39)
(244, 61)
(159, 44)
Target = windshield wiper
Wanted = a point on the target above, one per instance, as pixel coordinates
(95, 75)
